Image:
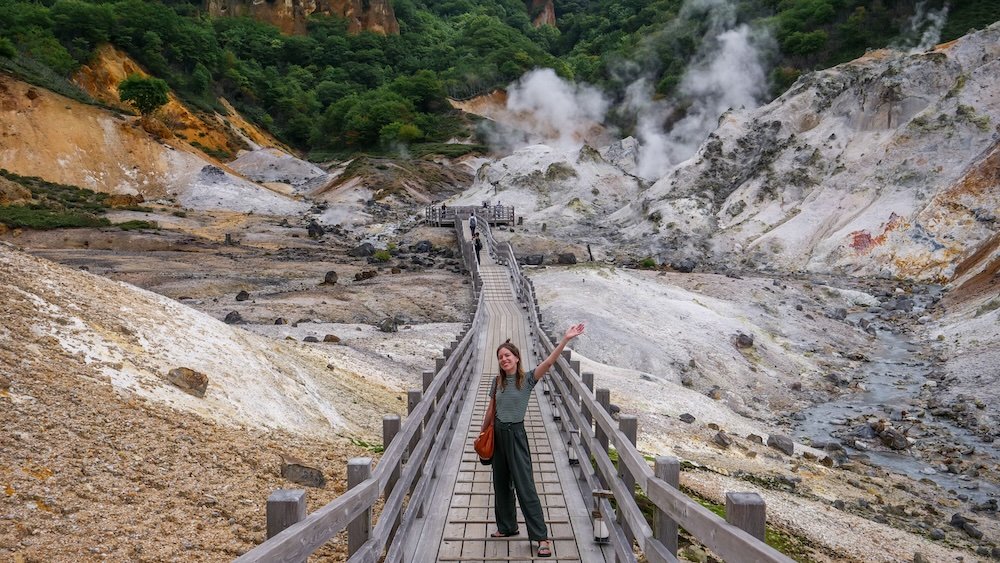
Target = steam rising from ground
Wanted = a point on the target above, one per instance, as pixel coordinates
(727, 71)
(924, 28)
(555, 111)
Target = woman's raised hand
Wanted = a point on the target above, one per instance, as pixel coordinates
(573, 331)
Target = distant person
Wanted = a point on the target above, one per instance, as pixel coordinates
(509, 397)
(478, 245)
(472, 225)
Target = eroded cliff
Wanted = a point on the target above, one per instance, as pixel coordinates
(290, 15)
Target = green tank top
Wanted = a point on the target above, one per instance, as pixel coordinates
(512, 402)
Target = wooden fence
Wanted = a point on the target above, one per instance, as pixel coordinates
(494, 214)
(402, 476)
(585, 421)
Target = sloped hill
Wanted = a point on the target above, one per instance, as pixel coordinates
(131, 338)
(223, 134)
(64, 141)
(881, 166)
(104, 459)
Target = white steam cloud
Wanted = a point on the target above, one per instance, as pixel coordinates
(551, 110)
(728, 71)
(923, 31)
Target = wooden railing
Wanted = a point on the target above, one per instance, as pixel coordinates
(495, 214)
(402, 476)
(585, 421)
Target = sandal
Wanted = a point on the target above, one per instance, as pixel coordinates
(499, 534)
(544, 550)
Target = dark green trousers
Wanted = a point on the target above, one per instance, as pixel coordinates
(512, 473)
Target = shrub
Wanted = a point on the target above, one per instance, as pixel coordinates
(137, 225)
(146, 94)
(382, 256)
(44, 218)
(647, 263)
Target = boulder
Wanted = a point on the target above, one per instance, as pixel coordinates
(534, 259)
(567, 258)
(781, 443)
(331, 338)
(330, 278)
(280, 321)
(423, 247)
(894, 439)
(388, 325)
(233, 318)
(743, 340)
(365, 275)
(686, 417)
(315, 230)
(722, 439)
(755, 439)
(362, 250)
(189, 381)
(684, 265)
(123, 200)
(298, 472)
(310, 339)
(242, 296)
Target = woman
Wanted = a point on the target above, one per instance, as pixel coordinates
(511, 456)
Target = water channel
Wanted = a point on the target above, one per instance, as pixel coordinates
(892, 381)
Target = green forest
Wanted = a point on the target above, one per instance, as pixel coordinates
(332, 91)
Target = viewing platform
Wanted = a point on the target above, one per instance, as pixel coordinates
(440, 216)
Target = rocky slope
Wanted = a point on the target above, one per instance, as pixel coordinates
(887, 166)
(883, 166)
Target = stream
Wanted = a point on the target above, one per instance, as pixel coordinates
(892, 381)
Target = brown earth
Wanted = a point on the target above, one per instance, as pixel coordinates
(100, 79)
(90, 471)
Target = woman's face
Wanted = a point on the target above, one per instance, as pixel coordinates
(508, 361)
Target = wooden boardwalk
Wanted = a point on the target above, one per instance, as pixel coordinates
(460, 517)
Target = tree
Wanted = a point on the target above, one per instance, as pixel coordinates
(146, 94)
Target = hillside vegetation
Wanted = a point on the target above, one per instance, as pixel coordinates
(332, 90)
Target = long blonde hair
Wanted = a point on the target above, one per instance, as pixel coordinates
(519, 380)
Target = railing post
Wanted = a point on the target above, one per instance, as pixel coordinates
(359, 469)
(413, 397)
(428, 379)
(284, 508)
(588, 382)
(746, 511)
(390, 427)
(628, 424)
(667, 468)
(603, 396)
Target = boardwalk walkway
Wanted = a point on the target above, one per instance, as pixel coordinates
(460, 517)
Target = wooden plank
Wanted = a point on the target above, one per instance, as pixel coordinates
(284, 508)
(730, 542)
(300, 540)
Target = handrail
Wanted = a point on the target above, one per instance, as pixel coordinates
(436, 215)
(729, 541)
(439, 403)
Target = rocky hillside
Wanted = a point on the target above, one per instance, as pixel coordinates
(368, 15)
(887, 165)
